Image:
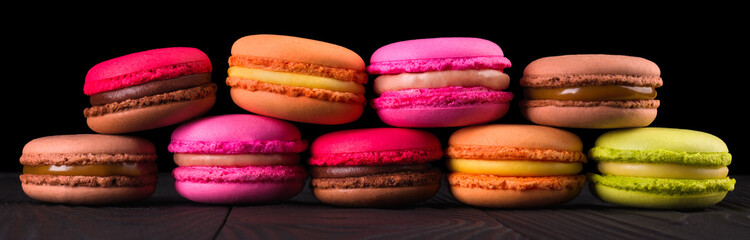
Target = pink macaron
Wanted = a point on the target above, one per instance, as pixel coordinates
(375, 167)
(440, 82)
(148, 89)
(237, 159)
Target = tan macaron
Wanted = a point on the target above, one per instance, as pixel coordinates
(591, 91)
(89, 169)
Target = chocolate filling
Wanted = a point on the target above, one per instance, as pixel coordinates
(361, 171)
(150, 88)
(399, 179)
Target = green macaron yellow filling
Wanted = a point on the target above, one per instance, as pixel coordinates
(665, 186)
(592, 93)
(102, 170)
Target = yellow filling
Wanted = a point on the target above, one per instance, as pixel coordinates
(662, 170)
(102, 170)
(514, 168)
(592, 93)
(296, 80)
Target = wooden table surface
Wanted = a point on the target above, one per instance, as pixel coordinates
(166, 215)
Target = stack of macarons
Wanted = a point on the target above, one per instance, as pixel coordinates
(421, 83)
(440, 82)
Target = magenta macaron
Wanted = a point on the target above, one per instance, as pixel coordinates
(440, 82)
(148, 89)
(237, 158)
(375, 167)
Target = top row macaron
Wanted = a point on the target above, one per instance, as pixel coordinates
(433, 82)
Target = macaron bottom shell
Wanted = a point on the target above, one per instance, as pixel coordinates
(233, 193)
(443, 117)
(376, 197)
(490, 191)
(654, 201)
(298, 109)
(150, 117)
(500, 198)
(87, 195)
(597, 117)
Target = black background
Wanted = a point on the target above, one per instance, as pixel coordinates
(700, 50)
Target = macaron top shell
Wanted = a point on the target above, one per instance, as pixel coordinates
(591, 69)
(375, 146)
(235, 134)
(88, 143)
(373, 139)
(437, 54)
(592, 64)
(83, 149)
(656, 138)
(517, 135)
(145, 66)
(297, 49)
(661, 145)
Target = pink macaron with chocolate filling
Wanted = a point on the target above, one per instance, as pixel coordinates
(237, 159)
(148, 89)
(440, 82)
(375, 167)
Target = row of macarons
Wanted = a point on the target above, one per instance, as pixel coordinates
(439, 82)
(435, 82)
(255, 159)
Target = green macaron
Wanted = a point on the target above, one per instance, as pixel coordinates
(664, 168)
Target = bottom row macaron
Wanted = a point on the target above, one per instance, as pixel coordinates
(512, 166)
(660, 168)
(251, 159)
(89, 169)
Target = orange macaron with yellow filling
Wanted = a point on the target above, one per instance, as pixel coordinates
(514, 166)
(297, 79)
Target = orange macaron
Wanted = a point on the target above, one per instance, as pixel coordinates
(514, 166)
(297, 79)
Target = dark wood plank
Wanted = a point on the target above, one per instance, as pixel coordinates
(301, 217)
(588, 218)
(164, 216)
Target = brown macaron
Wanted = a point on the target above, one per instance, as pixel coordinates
(89, 169)
(591, 91)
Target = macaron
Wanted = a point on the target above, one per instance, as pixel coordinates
(375, 167)
(89, 169)
(662, 168)
(591, 91)
(237, 159)
(440, 82)
(148, 90)
(514, 166)
(297, 79)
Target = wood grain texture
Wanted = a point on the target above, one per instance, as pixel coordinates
(166, 215)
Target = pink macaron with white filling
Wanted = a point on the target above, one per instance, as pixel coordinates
(440, 82)
(238, 158)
